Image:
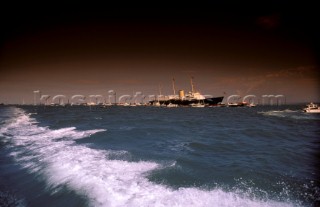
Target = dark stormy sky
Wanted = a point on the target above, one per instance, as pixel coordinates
(263, 48)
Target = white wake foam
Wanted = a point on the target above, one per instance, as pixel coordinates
(105, 182)
(291, 114)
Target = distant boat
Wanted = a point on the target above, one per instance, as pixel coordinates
(171, 105)
(156, 104)
(123, 104)
(91, 104)
(252, 105)
(240, 104)
(197, 105)
(312, 108)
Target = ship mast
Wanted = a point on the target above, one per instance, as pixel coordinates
(173, 87)
(160, 92)
(192, 86)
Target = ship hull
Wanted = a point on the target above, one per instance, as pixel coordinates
(182, 102)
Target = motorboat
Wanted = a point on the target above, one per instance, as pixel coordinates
(312, 108)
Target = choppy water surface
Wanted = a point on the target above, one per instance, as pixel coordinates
(148, 156)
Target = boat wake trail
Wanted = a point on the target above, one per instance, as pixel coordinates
(64, 163)
(291, 114)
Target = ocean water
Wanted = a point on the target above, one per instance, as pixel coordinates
(148, 156)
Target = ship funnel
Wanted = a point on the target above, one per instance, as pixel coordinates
(181, 94)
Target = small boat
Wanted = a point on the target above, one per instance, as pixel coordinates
(252, 105)
(157, 104)
(197, 105)
(123, 104)
(240, 104)
(171, 105)
(312, 108)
